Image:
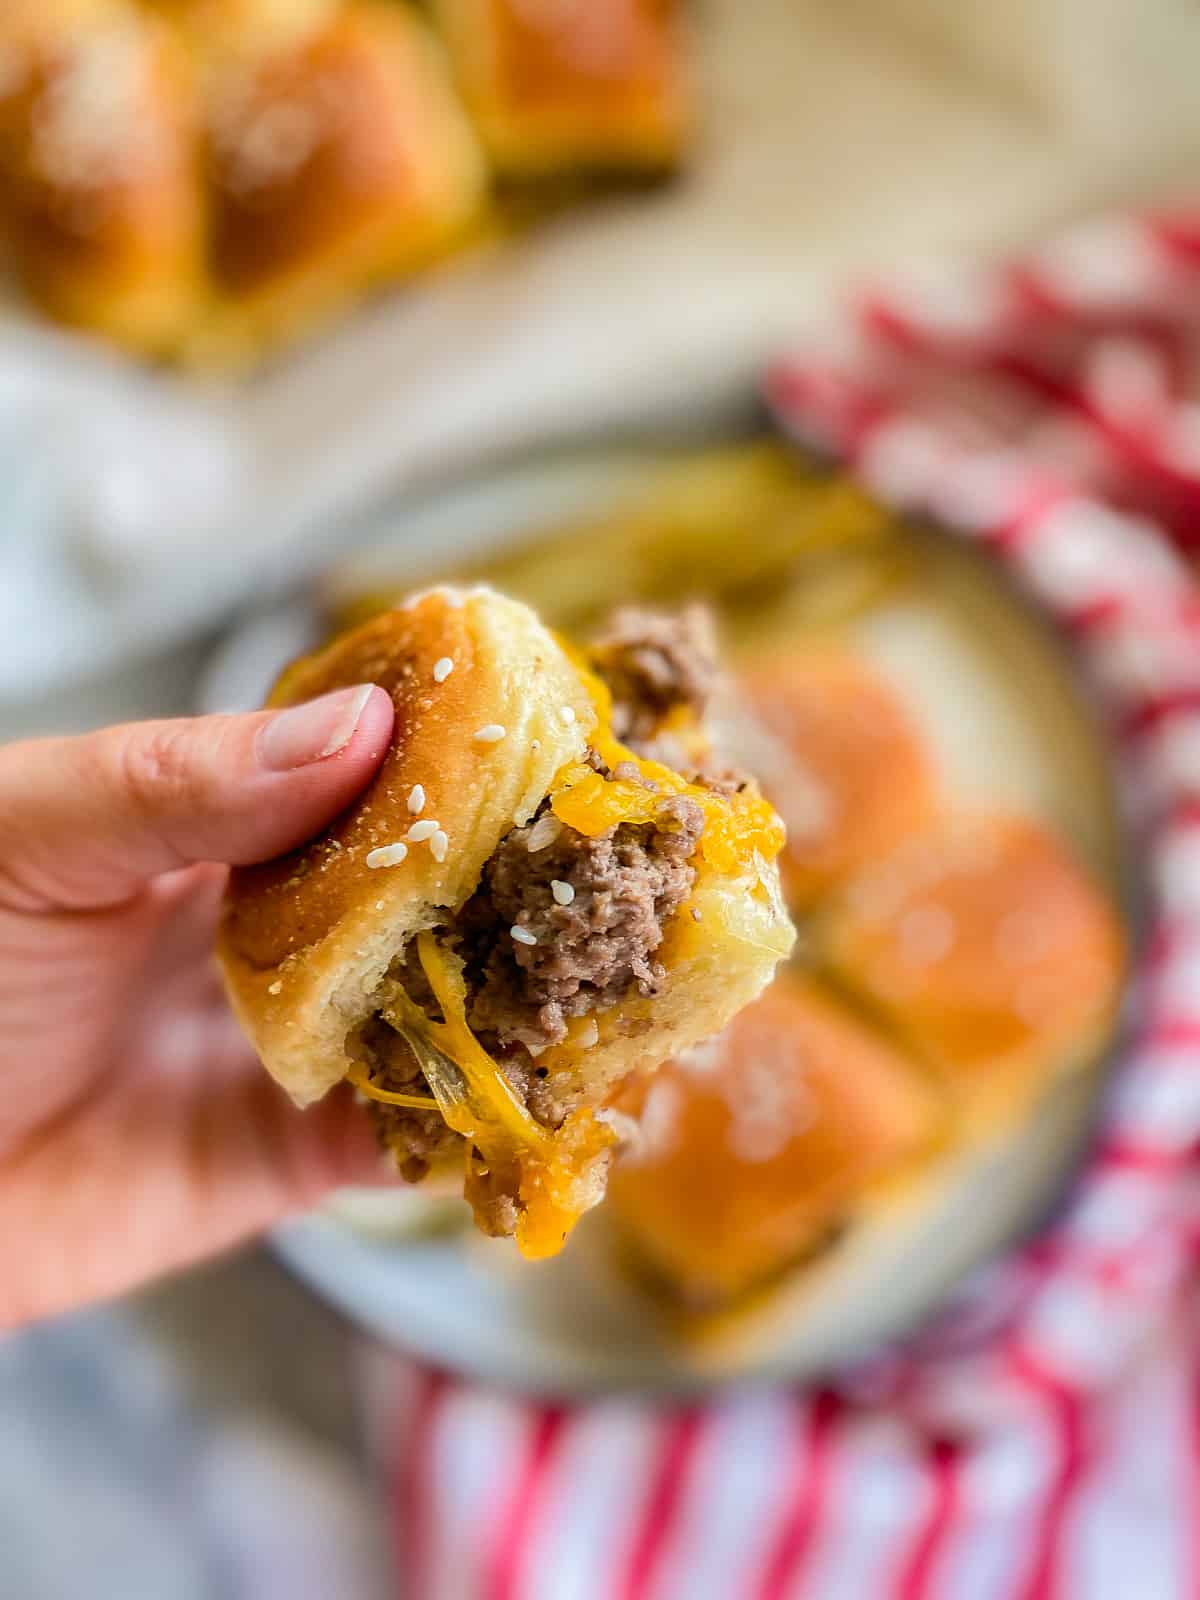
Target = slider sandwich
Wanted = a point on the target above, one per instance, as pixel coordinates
(548, 887)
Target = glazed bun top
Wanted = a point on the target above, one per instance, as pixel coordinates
(989, 949)
(488, 709)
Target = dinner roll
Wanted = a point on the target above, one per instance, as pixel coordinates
(334, 161)
(841, 757)
(568, 88)
(754, 1149)
(99, 193)
(988, 948)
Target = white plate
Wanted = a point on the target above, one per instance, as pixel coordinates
(1003, 735)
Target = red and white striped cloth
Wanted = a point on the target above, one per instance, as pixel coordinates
(1041, 1437)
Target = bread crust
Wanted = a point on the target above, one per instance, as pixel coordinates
(306, 939)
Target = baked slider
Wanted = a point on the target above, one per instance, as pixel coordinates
(213, 26)
(842, 759)
(986, 947)
(580, 88)
(336, 161)
(99, 170)
(752, 1151)
(519, 912)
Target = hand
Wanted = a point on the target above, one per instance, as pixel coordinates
(137, 1131)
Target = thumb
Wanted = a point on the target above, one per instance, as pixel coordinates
(85, 822)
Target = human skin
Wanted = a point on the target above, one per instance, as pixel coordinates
(137, 1131)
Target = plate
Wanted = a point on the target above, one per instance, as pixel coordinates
(1009, 724)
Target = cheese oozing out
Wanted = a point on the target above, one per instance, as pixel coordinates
(552, 1173)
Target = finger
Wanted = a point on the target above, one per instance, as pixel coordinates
(85, 822)
(186, 909)
(166, 1169)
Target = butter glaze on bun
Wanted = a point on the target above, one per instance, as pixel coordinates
(989, 950)
(99, 203)
(503, 779)
(756, 1148)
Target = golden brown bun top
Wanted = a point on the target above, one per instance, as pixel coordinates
(988, 948)
(757, 1143)
(842, 760)
(501, 656)
(96, 131)
(221, 30)
(47, 19)
(249, 17)
(554, 53)
(307, 940)
(349, 126)
(555, 87)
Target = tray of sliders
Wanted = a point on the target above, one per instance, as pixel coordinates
(913, 1090)
(206, 181)
(268, 261)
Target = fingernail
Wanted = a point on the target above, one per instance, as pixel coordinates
(310, 732)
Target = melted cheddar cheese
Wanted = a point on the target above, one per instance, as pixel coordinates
(551, 1173)
(736, 827)
(548, 1173)
(546, 1170)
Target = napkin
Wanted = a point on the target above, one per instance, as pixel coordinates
(1038, 1437)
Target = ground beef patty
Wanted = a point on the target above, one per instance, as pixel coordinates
(654, 661)
(419, 1139)
(620, 891)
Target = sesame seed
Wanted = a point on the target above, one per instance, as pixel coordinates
(276, 987)
(567, 713)
(387, 855)
(562, 892)
(491, 734)
(439, 843)
(536, 744)
(543, 832)
(442, 668)
(589, 1034)
(420, 831)
(522, 935)
(416, 800)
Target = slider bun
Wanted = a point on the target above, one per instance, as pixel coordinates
(307, 939)
(755, 1147)
(99, 196)
(988, 949)
(381, 177)
(530, 78)
(841, 759)
(215, 25)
